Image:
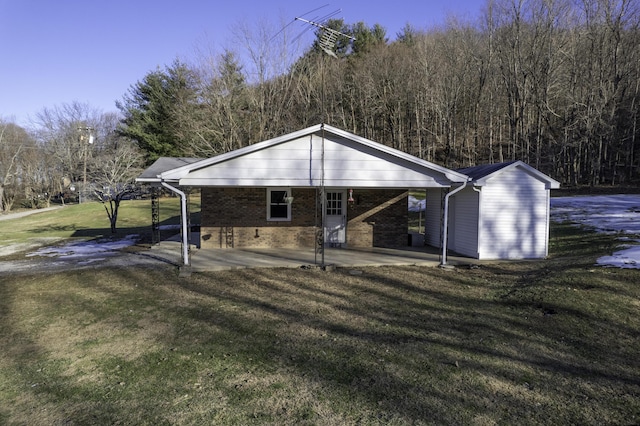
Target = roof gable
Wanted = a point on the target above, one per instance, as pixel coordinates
(480, 175)
(304, 157)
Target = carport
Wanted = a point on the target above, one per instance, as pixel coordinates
(309, 190)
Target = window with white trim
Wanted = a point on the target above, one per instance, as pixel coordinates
(279, 204)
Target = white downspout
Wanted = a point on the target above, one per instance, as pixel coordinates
(183, 214)
(478, 189)
(445, 231)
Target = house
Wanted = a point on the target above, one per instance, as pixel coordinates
(502, 213)
(311, 188)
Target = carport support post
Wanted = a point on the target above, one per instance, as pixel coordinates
(155, 215)
(184, 222)
(445, 219)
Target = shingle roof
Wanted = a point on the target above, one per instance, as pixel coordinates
(478, 172)
(164, 164)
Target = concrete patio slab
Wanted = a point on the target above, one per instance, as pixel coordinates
(226, 259)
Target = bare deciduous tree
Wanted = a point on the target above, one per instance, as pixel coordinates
(113, 176)
(62, 131)
(13, 141)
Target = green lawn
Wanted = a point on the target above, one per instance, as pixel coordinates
(90, 220)
(544, 342)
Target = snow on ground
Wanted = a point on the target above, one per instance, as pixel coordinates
(609, 214)
(93, 250)
(89, 251)
(605, 213)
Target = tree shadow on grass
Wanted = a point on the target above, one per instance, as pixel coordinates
(449, 329)
(393, 345)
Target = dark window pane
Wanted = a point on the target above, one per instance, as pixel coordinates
(278, 196)
(279, 211)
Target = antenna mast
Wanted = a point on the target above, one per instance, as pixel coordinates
(327, 42)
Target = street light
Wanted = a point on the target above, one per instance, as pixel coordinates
(83, 131)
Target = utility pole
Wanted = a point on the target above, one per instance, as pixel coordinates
(84, 131)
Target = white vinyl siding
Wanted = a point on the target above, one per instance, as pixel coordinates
(433, 217)
(515, 217)
(298, 163)
(505, 218)
(463, 222)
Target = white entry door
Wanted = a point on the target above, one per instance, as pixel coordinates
(336, 217)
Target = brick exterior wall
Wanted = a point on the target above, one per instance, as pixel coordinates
(237, 218)
(378, 218)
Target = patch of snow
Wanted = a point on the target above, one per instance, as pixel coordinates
(92, 260)
(86, 249)
(628, 258)
(169, 227)
(609, 214)
(605, 213)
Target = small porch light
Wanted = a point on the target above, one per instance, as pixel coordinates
(351, 199)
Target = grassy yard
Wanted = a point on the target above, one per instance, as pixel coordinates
(90, 220)
(548, 342)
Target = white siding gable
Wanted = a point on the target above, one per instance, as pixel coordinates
(515, 214)
(298, 163)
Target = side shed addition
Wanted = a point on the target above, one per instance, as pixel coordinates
(502, 214)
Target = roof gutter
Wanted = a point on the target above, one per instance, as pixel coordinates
(445, 230)
(183, 215)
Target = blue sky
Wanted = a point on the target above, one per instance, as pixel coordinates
(54, 52)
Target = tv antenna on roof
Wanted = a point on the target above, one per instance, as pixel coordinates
(328, 36)
(327, 40)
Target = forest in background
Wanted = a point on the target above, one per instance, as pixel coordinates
(554, 83)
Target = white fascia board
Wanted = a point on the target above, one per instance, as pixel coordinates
(148, 180)
(235, 182)
(304, 183)
(154, 181)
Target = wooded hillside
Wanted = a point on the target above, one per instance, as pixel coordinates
(552, 83)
